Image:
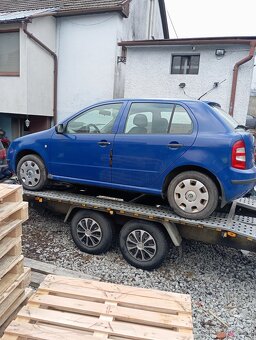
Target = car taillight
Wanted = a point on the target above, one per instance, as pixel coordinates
(239, 155)
(2, 154)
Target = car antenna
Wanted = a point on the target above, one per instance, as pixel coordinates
(215, 85)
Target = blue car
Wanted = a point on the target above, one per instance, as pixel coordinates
(190, 152)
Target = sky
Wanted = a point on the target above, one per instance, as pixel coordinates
(212, 18)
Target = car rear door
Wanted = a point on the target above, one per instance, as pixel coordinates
(82, 153)
(152, 136)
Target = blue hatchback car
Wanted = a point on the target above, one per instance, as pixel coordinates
(188, 151)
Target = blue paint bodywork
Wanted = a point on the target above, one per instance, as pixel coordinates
(143, 162)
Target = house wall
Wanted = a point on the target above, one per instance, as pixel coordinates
(148, 75)
(33, 89)
(88, 50)
(144, 21)
(87, 57)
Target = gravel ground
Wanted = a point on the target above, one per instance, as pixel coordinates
(221, 281)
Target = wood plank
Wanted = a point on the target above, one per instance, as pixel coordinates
(41, 331)
(119, 313)
(11, 193)
(47, 268)
(14, 210)
(8, 264)
(8, 227)
(6, 304)
(117, 288)
(8, 243)
(7, 286)
(13, 310)
(125, 300)
(81, 322)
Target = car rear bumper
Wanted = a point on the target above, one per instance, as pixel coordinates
(236, 183)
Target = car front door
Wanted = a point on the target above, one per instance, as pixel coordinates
(151, 137)
(82, 153)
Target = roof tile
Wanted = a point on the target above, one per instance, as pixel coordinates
(61, 5)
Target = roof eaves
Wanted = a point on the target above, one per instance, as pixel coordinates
(67, 12)
(189, 41)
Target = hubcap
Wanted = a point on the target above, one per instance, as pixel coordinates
(141, 245)
(30, 173)
(191, 195)
(89, 232)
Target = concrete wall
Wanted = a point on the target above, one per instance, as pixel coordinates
(88, 51)
(144, 21)
(87, 57)
(32, 91)
(148, 75)
(252, 106)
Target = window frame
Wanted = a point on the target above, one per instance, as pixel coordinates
(11, 74)
(188, 55)
(94, 107)
(125, 115)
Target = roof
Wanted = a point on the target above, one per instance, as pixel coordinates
(16, 16)
(64, 7)
(72, 7)
(190, 41)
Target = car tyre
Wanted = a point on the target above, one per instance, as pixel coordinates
(193, 195)
(31, 172)
(92, 232)
(149, 240)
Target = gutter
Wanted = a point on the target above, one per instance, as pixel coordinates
(55, 60)
(235, 75)
(164, 18)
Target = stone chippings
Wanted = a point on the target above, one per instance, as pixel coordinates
(220, 280)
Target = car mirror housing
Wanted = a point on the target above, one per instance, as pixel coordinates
(59, 128)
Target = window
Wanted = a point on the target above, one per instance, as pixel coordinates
(181, 122)
(158, 118)
(9, 53)
(100, 119)
(185, 64)
(149, 118)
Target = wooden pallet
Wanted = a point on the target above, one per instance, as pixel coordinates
(68, 308)
(39, 271)
(10, 193)
(14, 278)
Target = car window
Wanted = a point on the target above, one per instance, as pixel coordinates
(100, 119)
(149, 118)
(181, 121)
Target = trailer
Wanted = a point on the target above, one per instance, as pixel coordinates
(145, 230)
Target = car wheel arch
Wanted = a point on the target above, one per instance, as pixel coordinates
(26, 152)
(180, 169)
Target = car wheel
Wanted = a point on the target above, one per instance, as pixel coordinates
(192, 194)
(143, 244)
(92, 232)
(31, 172)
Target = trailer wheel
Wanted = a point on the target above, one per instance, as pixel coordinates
(92, 232)
(143, 244)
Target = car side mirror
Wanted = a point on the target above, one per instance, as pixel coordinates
(59, 128)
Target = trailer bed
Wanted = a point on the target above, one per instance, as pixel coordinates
(241, 225)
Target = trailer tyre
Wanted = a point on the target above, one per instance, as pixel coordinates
(92, 232)
(143, 244)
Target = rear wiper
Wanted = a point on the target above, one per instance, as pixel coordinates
(242, 127)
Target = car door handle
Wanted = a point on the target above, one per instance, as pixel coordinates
(103, 143)
(175, 145)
